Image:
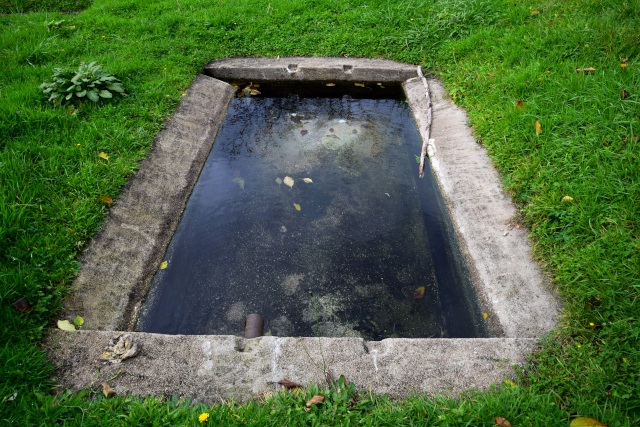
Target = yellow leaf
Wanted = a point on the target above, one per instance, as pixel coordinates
(538, 128)
(163, 265)
(419, 293)
(359, 84)
(288, 181)
(484, 315)
(307, 180)
(78, 321)
(106, 390)
(330, 84)
(106, 199)
(297, 206)
(566, 199)
(586, 422)
(65, 325)
(534, 12)
(510, 383)
(104, 155)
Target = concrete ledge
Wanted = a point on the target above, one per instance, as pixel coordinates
(310, 69)
(509, 282)
(207, 368)
(119, 263)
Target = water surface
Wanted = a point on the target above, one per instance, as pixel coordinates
(309, 190)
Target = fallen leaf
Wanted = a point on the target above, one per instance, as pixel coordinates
(510, 383)
(625, 94)
(520, 105)
(240, 182)
(585, 70)
(297, 206)
(566, 199)
(330, 84)
(288, 181)
(419, 293)
(484, 315)
(78, 321)
(164, 265)
(359, 84)
(518, 226)
(22, 305)
(12, 397)
(103, 155)
(307, 180)
(240, 94)
(255, 92)
(491, 75)
(106, 390)
(247, 90)
(586, 422)
(65, 325)
(279, 181)
(502, 422)
(303, 132)
(534, 12)
(106, 199)
(288, 384)
(315, 400)
(283, 229)
(538, 128)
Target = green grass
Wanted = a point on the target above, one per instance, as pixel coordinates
(27, 6)
(489, 53)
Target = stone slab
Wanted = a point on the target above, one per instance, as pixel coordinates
(310, 69)
(119, 263)
(208, 368)
(510, 284)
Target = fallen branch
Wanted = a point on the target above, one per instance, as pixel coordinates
(425, 142)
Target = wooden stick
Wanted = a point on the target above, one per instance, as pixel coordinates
(423, 154)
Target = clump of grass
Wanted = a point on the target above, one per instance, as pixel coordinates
(91, 82)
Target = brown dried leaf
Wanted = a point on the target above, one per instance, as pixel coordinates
(502, 422)
(585, 70)
(22, 305)
(106, 390)
(491, 75)
(288, 384)
(625, 94)
(315, 400)
(108, 200)
(520, 105)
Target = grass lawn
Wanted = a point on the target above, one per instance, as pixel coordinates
(577, 182)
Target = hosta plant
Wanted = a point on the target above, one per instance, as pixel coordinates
(90, 82)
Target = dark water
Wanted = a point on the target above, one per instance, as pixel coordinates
(363, 233)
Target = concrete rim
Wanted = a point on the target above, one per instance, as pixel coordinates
(116, 274)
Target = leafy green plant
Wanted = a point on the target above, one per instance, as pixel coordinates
(91, 82)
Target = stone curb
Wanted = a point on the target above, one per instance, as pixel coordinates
(208, 368)
(310, 69)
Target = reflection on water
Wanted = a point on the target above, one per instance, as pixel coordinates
(304, 193)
